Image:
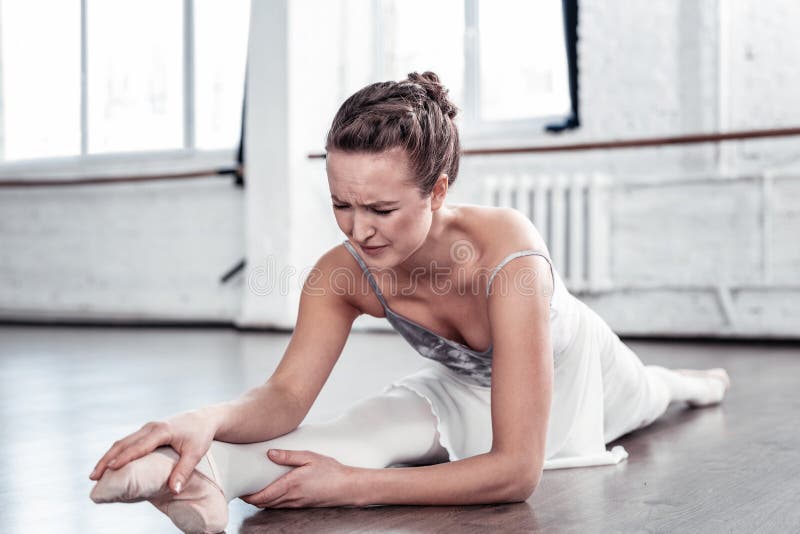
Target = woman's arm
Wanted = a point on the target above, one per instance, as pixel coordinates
(324, 320)
(483, 479)
(264, 412)
(522, 382)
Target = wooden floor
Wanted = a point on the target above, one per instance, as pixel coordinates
(66, 393)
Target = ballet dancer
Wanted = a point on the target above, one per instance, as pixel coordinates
(520, 376)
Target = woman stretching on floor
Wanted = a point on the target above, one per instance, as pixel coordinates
(521, 375)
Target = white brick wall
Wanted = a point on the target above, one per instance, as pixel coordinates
(151, 251)
(701, 244)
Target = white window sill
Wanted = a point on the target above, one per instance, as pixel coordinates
(502, 134)
(121, 164)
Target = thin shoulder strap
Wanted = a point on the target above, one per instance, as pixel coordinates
(366, 271)
(515, 255)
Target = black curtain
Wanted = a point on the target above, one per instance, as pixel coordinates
(238, 172)
(240, 152)
(570, 9)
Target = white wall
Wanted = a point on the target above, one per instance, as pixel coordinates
(137, 251)
(701, 237)
(289, 222)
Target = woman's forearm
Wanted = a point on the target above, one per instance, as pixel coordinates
(260, 414)
(483, 479)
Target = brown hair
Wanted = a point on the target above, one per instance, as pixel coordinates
(413, 114)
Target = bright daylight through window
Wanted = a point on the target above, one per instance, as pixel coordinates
(136, 82)
(504, 61)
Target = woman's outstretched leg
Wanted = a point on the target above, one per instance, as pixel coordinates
(636, 394)
(395, 427)
(695, 387)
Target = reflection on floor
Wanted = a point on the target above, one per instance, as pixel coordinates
(66, 393)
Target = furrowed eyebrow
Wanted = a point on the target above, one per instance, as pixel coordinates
(370, 205)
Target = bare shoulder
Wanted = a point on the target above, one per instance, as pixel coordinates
(338, 274)
(498, 232)
(330, 272)
(337, 257)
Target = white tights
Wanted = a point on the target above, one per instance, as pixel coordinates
(396, 427)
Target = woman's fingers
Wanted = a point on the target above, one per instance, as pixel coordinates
(135, 450)
(121, 451)
(270, 495)
(109, 457)
(183, 469)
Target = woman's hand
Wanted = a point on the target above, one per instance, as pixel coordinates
(189, 433)
(316, 481)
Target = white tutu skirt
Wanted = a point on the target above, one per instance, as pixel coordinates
(601, 391)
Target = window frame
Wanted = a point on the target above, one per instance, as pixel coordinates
(108, 163)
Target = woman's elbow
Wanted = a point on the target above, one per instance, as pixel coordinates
(522, 487)
(520, 476)
(524, 491)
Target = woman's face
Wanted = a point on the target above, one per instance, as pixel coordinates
(376, 204)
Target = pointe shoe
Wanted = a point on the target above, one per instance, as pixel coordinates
(200, 507)
(135, 481)
(717, 373)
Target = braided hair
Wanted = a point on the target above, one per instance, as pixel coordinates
(414, 114)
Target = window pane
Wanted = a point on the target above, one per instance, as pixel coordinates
(219, 62)
(135, 75)
(420, 35)
(41, 69)
(523, 62)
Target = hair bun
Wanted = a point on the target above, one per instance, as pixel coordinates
(435, 91)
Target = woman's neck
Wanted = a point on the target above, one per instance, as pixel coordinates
(435, 255)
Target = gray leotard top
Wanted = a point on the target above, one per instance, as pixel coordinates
(473, 365)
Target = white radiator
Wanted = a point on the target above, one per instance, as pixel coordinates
(571, 212)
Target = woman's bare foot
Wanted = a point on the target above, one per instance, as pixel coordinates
(719, 383)
(200, 507)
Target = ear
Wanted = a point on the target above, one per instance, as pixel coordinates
(439, 192)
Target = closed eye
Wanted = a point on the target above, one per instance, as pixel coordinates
(379, 212)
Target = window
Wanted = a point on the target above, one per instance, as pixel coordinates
(134, 88)
(112, 76)
(504, 61)
(521, 62)
(220, 37)
(420, 35)
(41, 78)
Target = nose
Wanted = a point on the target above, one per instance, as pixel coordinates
(362, 228)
